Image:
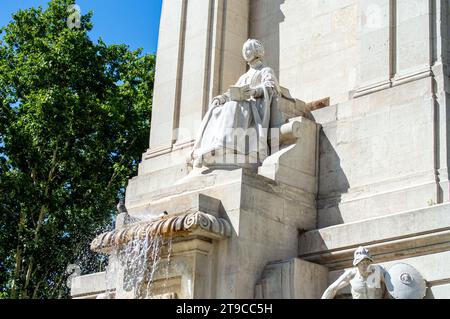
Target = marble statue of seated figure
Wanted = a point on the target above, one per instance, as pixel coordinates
(238, 121)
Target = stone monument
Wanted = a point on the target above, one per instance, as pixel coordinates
(359, 157)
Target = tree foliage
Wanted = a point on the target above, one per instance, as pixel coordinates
(74, 119)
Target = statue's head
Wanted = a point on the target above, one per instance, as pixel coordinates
(362, 258)
(252, 50)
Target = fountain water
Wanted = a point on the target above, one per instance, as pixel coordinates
(140, 259)
(141, 252)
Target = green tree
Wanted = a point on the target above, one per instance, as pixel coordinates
(74, 120)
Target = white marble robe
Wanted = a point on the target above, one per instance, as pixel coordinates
(225, 126)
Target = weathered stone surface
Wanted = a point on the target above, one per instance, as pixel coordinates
(376, 176)
(89, 286)
(197, 223)
(373, 161)
(264, 217)
(391, 237)
(314, 45)
(293, 279)
(295, 164)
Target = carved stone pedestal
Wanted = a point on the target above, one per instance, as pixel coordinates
(226, 224)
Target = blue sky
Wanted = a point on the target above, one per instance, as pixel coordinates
(133, 22)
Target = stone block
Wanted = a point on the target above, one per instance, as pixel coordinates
(292, 279)
(89, 286)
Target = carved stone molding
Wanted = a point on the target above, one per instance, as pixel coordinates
(159, 151)
(197, 223)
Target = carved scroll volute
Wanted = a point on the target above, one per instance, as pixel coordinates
(177, 226)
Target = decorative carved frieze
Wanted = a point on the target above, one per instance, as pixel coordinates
(197, 223)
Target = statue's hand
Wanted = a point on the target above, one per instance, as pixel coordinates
(248, 93)
(218, 100)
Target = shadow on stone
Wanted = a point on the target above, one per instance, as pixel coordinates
(332, 181)
(273, 23)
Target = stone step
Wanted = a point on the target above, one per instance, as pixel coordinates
(183, 195)
(393, 237)
(223, 185)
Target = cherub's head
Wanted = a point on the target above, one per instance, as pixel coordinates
(252, 50)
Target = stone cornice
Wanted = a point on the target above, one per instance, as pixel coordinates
(197, 223)
(418, 232)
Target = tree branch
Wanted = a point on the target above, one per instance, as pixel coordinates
(114, 175)
(18, 262)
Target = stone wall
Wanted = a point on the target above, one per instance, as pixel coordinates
(381, 62)
(384, 140)
(311, 44)
(377, 155)
(199, 55)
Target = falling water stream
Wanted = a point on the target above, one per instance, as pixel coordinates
(141, 260)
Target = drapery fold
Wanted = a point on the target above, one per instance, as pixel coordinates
(240, 127)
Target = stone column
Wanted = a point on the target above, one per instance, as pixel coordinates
(169, 65)
(377, 41)
(413, 53)
(192, 67)
(196, 66)
(395, 42)
(235, 31)
(215, 32)
(404, 41)
(440, 17)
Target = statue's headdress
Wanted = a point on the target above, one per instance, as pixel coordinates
(360, 254)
